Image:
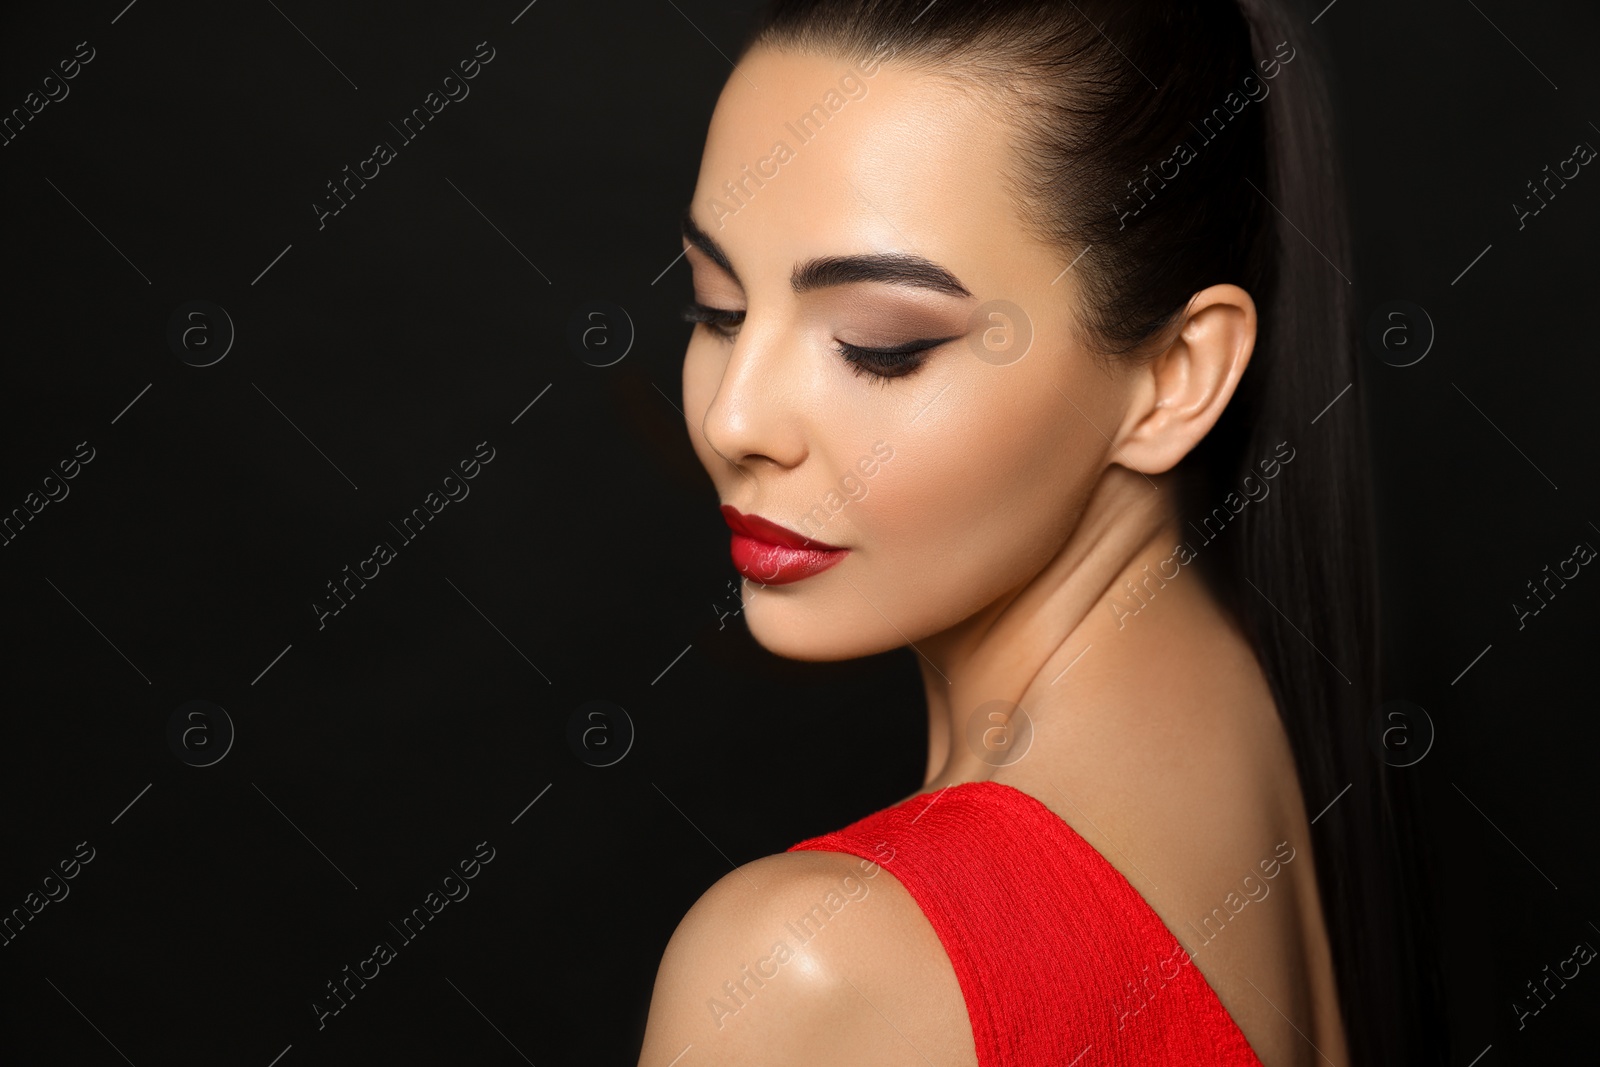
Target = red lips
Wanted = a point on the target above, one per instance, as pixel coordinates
(771, 554)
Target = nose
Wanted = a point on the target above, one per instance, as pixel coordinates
(758, 411)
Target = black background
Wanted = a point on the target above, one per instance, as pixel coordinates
(589, 561)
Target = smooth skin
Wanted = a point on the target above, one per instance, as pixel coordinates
(1022, 493)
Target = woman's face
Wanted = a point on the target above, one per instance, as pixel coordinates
(949, 485)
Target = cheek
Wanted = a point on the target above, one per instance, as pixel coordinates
(968, 511)
(983, 499)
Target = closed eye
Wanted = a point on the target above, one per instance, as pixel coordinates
(721, 320)
(896, 361)
(885, 363)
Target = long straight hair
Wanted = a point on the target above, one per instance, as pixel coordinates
(1176, 144)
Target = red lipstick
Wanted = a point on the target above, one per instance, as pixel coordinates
(771, 554)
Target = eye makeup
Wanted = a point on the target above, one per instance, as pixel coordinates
(894, 361)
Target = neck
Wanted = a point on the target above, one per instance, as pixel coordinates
(1025, 648)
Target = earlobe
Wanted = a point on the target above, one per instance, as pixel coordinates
(1181, 392)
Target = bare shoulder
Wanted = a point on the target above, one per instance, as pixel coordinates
(807, 957)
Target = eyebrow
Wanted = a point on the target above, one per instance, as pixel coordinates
(893, 268)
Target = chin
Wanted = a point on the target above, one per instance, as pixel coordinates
(816, 637)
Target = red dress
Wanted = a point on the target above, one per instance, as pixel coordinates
(1061, 961)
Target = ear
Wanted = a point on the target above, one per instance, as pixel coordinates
(1177, 395)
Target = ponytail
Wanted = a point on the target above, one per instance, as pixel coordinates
(1301, 576)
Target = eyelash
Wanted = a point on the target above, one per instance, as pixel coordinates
(881, 363)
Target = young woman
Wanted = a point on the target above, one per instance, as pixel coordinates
(1024, 341)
